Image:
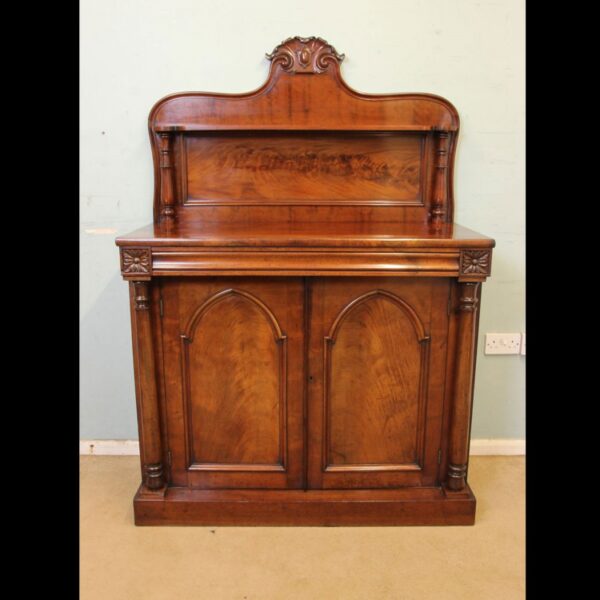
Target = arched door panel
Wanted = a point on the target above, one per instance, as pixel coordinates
(238, 347)
(373, 345)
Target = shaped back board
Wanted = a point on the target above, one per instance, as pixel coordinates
(304, 146)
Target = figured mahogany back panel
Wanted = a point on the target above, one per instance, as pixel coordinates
(304, 146)
(277, 168)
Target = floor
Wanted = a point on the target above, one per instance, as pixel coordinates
(120, 561)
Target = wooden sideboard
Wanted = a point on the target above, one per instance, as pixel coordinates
(304, 309)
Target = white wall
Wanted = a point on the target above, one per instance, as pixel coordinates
(135, 51)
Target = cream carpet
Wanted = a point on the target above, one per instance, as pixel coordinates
(122, 562)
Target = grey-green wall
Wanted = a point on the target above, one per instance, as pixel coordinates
(134, 52)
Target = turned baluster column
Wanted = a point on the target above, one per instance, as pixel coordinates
(440, 194)
(166, 176)
(463, 386)
(150, 441)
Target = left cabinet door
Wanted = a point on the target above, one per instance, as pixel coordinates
(233, 377)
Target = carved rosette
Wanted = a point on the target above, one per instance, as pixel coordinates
(305, 55)
(475, 262)
(136, 261)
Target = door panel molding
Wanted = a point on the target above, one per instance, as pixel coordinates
(423, 339)
(195, 429)
(191, 326)
(373, 344)
(238, 354)
(410, 311)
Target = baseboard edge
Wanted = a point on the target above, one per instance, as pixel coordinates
(479, 447)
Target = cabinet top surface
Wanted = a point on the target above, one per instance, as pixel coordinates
(304, 234)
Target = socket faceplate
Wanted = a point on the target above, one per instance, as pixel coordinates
(502, 343)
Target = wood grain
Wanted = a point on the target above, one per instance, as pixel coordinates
(234, 386)
(413, 506)
(374, 413)
(234, 377)
(321, 232)
(374, 370)
(278, 168)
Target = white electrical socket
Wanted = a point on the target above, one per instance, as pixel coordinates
(502, 343)
(523, 344)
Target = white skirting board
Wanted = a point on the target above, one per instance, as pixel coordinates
(492, 447)
(110, 447)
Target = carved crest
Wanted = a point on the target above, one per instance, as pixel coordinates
(305, 55)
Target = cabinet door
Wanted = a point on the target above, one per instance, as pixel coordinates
(233, 376)
(377, 349)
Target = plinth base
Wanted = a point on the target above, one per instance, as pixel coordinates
(406, 506)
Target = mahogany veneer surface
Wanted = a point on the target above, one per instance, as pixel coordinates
(305, 234)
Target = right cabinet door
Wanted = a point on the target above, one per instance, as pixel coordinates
(377, 365)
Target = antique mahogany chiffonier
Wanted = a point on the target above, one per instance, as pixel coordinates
(304, 310)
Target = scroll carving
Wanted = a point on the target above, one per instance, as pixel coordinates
(136, 261)
(305, 55)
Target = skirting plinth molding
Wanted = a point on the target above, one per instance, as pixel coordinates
(479, 447)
